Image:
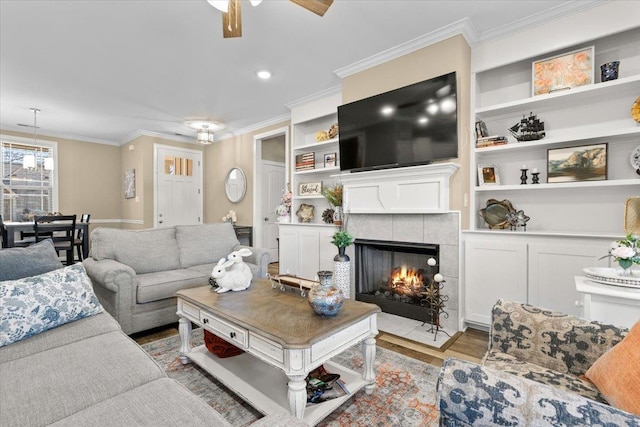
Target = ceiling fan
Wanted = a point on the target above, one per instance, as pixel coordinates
(232, 12)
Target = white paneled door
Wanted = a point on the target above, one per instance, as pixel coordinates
(272, 185)
(178, 186)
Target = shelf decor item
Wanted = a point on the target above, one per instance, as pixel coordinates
(523, 176)
(333, 131)
(322, 135)
(330, 160)
(495, 214)
(327, 216)
(564, 71)
(488, 175)
(530, 128)
(305, 161)
(333, 195)
(609, 71)
(634, 158)
(632, 215)
(581, 163)
(310, 189)
(283, 210)
(635, 110)
(518, 219)
(305, 213)
(342, 262)
(626, 252)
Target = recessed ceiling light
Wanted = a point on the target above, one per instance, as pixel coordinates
(264, 74)
(387, 110)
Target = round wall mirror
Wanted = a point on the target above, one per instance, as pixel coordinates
(235, 185)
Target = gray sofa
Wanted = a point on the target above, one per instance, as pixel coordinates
(531, 375)
(89, 372)
(136, 272)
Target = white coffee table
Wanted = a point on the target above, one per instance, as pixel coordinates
(283, 341)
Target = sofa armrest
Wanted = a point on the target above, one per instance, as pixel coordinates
(109, 274)
(471, 394)
(550, 339)
(259, 257)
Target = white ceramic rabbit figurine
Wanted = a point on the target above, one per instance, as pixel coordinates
(226, 279)
(239, 267)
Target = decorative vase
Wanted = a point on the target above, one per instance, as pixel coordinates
(284, 218)
(337, 216)
(609, 71)
(624, 268)
(325, 298)
(342, 272)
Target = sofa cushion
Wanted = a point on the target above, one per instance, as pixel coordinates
(164, 284)
(35, 304)
(88, 327)
(161, 402)
(617, 373)
(206, 243)
(146, 251)
(507, 363)
(36, 259)
(51, 385)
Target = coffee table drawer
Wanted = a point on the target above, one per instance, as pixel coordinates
(225, 330)
(268, 349)
(332, 343)
(190, 310)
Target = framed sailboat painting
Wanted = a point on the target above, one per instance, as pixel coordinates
(562, 72)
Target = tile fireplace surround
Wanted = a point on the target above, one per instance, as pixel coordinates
(409, 204)
(442, 229)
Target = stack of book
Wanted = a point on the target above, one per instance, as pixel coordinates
(305, 161)
(490, 141)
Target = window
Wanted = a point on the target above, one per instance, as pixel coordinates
(28, 178)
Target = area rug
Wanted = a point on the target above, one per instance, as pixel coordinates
(405, 394)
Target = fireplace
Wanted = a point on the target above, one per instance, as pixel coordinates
(398, 277)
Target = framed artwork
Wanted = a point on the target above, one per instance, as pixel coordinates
(565, 71)
(488, 175)
(310, 189)
(329, 160)
(581, 163)
(130, 184)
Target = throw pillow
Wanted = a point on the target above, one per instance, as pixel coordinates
(35, 304)
(30, 261)
(617, 373)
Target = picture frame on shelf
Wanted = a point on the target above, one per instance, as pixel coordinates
(563, 71)
(305, 161)
(488, 175)
(330, 160)
(578, 163)
(481, 129)
(310, 189)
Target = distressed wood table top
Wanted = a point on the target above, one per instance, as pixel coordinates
(285, 317)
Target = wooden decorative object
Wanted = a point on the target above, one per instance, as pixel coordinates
(635, 110)
(632, 215)
(232, 20)
(319, 7)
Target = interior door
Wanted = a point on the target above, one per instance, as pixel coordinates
(178, 187)
(272, 185)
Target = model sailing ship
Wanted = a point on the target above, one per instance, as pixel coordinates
(528, 129)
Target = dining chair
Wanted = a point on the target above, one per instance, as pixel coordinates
(78, 241)
(4, 235)
(59, 228)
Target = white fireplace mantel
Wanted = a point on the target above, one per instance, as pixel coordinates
(409, 190)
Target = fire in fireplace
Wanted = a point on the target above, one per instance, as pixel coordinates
(397, 276)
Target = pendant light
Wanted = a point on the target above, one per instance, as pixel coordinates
(204, 135)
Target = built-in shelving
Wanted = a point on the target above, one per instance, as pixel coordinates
(562, 185)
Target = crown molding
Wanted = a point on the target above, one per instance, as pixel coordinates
(334, 90)
(62, 135)
(462, 26)
(560, 11)
(142, 132)
(256, 126)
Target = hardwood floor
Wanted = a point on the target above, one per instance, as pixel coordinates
(468, 345)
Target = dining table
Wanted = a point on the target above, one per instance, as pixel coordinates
(13, 227)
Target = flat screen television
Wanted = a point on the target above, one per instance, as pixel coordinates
(413, 125)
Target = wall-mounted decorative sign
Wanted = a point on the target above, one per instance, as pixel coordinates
(565, 71)
(310, 189)
(583, 163)
(130, 184)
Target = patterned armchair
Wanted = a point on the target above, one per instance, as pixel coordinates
(531, 373)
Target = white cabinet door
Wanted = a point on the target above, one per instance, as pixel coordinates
(308, 253)
(327, 249)
(493, 270)
(552, 268)
(288, 259)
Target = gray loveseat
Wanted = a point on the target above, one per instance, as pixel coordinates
(531, 375)
(137, 272)
(87, 371)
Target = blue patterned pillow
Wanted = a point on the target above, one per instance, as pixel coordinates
(35, 304)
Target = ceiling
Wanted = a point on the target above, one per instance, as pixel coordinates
(103, 70)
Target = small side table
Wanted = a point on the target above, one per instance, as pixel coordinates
(244, 234)
(616, 305)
